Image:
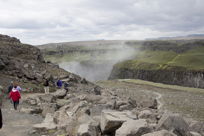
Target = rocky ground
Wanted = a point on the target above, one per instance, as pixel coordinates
(89, 110)
(15, 122)
(183, 100)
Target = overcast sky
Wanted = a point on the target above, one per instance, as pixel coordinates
(44, 21)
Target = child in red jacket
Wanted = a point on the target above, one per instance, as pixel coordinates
(15, 96)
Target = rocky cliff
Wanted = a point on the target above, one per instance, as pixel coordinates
(25, 64)
(174, 77)
(169, 62)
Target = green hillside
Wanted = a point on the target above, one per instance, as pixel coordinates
(179, 56)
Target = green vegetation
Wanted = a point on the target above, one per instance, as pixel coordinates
(192, 59)
(149, 55)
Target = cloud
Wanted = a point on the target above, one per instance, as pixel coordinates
(42, 21)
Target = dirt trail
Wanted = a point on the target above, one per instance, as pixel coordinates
(17, 123)
(159, 96)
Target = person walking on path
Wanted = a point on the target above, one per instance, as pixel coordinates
(10, 87)
(59, 83)
(15, 96)
(46, 87)
(1, 119)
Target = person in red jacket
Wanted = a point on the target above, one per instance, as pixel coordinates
(15, 96)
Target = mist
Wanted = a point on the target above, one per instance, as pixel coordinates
(101, 61)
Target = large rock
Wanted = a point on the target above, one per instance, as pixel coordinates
(150, 115)
(133, 128)
(47, 124)
(195, 134)
(48, 108)
(197, 127)
(88, 129)
(62, 102)
(76, 108)
(175, 123)
(160, 133)
(60, 93)
(112, 120)
(48, 98)
(61, 118)
(97, 90)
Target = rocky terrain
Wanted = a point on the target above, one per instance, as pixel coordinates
(82, 108)
(105, 112)
(25, 64)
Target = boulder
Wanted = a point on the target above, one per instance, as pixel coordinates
(47, 124)
(84, 81)
(154, 104)
(175, 123)
(61, 118)
(133, 128)
(62, 102)
(88, 129)
(60, 93)
(97, 90)
(145, 114)
(32, 101)
(48, 98)
(197, 127)
(132, 102)
(151, 116)
(160, 133)
(112, 120)
(76, 108)
(48, 108)
(195, 134)
(125, 107)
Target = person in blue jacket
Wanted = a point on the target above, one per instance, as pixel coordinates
(59, 83)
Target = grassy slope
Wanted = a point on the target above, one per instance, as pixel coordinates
(148, 59)
(153, 60)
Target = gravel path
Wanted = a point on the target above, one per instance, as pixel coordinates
(17, 123)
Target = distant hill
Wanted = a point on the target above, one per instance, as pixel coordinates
(187, 37)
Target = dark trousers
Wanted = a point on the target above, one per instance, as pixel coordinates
(15, 104)
(1, 120)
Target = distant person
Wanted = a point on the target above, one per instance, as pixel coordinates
(15, 96)
(66, 85)
(10, 87)
(59, 83)
(46, 87)
(1, 119)
(19, 88)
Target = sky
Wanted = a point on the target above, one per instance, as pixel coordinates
(46, 21)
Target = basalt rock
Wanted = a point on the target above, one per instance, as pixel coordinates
(175, 123)
(190, 78)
